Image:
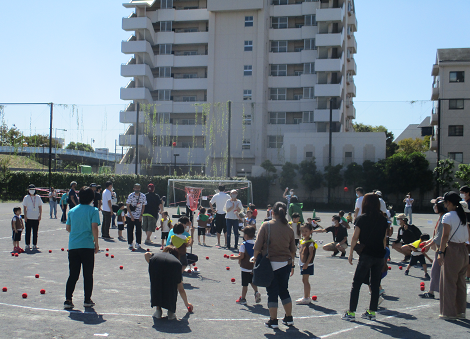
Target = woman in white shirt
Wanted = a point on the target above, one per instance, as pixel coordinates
(453, 259)
(32, 206)
(409, 207)
(233, 207)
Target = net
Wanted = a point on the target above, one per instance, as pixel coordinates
(192, 197)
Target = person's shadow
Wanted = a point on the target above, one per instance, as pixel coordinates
(89, 317)
(394, 331)
(257, 309)
(291, 332)
(322, 309)
(172, 326)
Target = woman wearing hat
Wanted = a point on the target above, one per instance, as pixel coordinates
(453, 259)
(32, 206)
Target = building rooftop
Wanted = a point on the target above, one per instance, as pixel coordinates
(453, 54)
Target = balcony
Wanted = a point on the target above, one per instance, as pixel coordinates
(434, 119)
(435, 93)
(286, 10)
(329, 65)
(433, 145)
(329, 90)
(129, 117)
(435, 70)
(170, 60)
(284, 81)
(135, 70)
(140, 93)
(330, 39)
(190, 84)
(330, 14)
(140, 23)
(129, 140)
(302, 105)
(172, 14)
(178, 130)
(351, 111)
(286, 34)
(351, 87)
(194, 156)
(323, 115)
(352, 67)
(352, 20)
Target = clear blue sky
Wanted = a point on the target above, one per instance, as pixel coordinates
(70, 52)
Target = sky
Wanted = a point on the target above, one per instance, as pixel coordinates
(69, 52)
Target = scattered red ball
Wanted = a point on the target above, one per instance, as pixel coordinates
(231, 255)
(207, 258)
(232, 280)
(62, 249)
(422, 288)
(4, 289)
(13, 254)
(148, 249)
(421, 283)
(190, 309)
(36, 276)
(16, 254)
(107, 254)
(194, 264)
(400, 267)
(225, 255)
(112, 256)
(121, 267)
(133, 250)
(389, 268)
(43, 291)
(107, 250)
(195, 268)
(227, 268)
(24, 295)
(50, 251)
(314, 297)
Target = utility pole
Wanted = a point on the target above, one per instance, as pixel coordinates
(229, 132)
(438, 141)
(330, 137)
(50, 145)
(137, 142)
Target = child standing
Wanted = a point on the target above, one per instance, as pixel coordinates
(250, 220)
(269, 213)
(418, 256)
(121, 220)
(181, 241)
(63, 207)
(245, 253)
(165, 226)
(201, 226)
(308, 248)
(209, 221)
(295, 225)
(17, 227)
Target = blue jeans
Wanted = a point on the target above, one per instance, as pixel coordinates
(53, 207)
(279, 287)
(232, 224)
(409, 213)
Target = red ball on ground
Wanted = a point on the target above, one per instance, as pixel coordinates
(207, 258)
(314, 297)
(148, 249)
(13, 254)
(107, 249)
(50, 251)
(107, 254)
(422, 288)
(62, 249)
(389, 268)
(4, 289)
(112, 256)
(227, 268)
(232, 280)
(421, 283)
(231, 255)
(43, 291)
(24, 295)
(16, 254)
(346, 189)
(133, 250)
(195, 268)
(400, 267)
(36, 276)
(194, 264)
(121, 267)
(190, 309)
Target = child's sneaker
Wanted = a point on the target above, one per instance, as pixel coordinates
(427, 277)
(349, 316)
(272, 323)
(241, 301)
(35, 248)
(257, 297)
(407, 272)
(382, 291)
(68, 304)
(303, 301)
(370, 315)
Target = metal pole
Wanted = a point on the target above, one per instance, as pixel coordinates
(438, 141)
(50, 145)
(137, 142)
(228, 142)
(329, 145)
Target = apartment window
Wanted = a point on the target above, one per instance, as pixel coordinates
(164, 72)
(308, 92)
(456, 104)
(248, 45)
(298, 73)
(456, 156)
(278, 46)
(246, 144)
(275, 141)
(277, 118)
(321, 126)
(280, 2)
(166, 26)
(166, 4)
(164, 95)
(163, 118)
(248, 70)
(248, 21)
(455, 130)
(279, 22)
(187, 144)
(309, 68)
(188, 122)
(310, 20)
(347, 158)
(247, 94)
(297, 121)
(456, 76)
(165, 49)
(277, 93)
(188, 76)
(309, 154)
(247, 119)
(298, 96)
(278, 70)
(309, 44)
(348, 154)
(307, 117)
(189, 98)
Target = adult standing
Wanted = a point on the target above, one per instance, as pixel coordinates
(107, 210)
(370, 230)
(288, 197)
(282, 254)
(97, 198)
(150, 217)
(53, 202)
(233, 207)
(453, 293)
(32, 206)
(82, 224)
(63, 206)
(358, 206)
(72, 200)
(219, 200)
(465, 195)
(406, 235)
(136, 202)
(409, 207)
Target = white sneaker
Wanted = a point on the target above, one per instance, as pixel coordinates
(257, 297)
(158, 313)
(137, 246)
(303, 301)
(131, 247)
(26, 247)
(171, 316)
(381, 299)
(35, 247)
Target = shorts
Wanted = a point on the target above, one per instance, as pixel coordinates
(121, 227)
(201, 230)
(220, 225)
(247, 278)
(308, 271)
(165, 235)
(297, 242)
(184, 260)
(16, 236)
(417, 259)
(149, 224)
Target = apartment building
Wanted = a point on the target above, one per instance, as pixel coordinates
(451, 112)
(281, 63)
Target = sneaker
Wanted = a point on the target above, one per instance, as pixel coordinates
(35, 248)
(427, 277)
(343, 254)
(303, 301)
(68, 304)
(171, 315)
(131, 247)
(427, 295)
(349, 316)
(148, 242)
(272, 323)
(382, 291)
(241, 301)
(199, 243)
(407, 272)
(288, 320)
(137, 246)
(257, 297)
(121, 238)
(335, 253)
(26, 248)
(370, 315)
(158, 313)
(204, 244)
(88, 303)
(381, 300)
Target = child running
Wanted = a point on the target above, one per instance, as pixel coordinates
(202, 219)
(245, 253)
(17, 227)
(308, 248)
(418, 256)
(121, 220)
(165, 226)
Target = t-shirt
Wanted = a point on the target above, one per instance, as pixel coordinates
(136, 200)
(72, 198)
(359, 205)
(409, 202)
(63, 199)
(251, 221)
(458, 231)
(97, 199)
(249, 254)
(52, 196)
(219, 200)
(80, 219)
(300, 257)
(153, 204)
(288, 199)
(373, 229)
(107, 196)
(31, 204)
(121, 215)
(295, 228)
(383, 206)
(339, 233)
(439, 231)
(236, 205)
(19, 225)
(168, 241)
(408, 235)
(165, 225)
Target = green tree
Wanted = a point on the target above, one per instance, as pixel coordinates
(444, 175)
(463, 173)
(268, 167)
(391, 147)
(353, 175)
(38, 140)
(408, 146)
(10, 136)
(80, 147)
(333, 175)
(310, 176)
(288, 174)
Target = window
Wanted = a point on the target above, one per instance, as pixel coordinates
(186, 144)
(298, 49)
(247, 94)
(279, 22)
(189, 98)
(187, 30)
(165, 49)
(308, 92)
(456, 76)
(248, 70)
(309, 68)
(188, 75)
(456, 104)
(308, 117)
(310, 20)
(164, 95)
(164, 72)
(278, 70)
(188, 122)
(348, 154)
(297, 121)
(298, 73)
(165, 26)
(455, 130)
(278, 46)
(280, 2)
(309, 44)
(248, 21)
(248, 45)
(166, 4)
(298, 96)
(277, 118)
(246, 144)
(247, 119)
(309, 154)
(275, 141)
(321, 126)
(277, 93)
(347, 158)
(456, 156)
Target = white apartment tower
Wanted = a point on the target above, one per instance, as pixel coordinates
(280, 63)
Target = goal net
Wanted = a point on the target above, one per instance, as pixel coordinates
(200, 192)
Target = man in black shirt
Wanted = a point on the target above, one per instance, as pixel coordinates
(150, 217)
(406, 235)
(340, 237)
(73, 200)
(97, 198)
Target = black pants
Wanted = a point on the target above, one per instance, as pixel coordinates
(77, 258)
(130, 230)
(366, 265)
(64, 213)
(34, 225)
(106, 224)
(189, 213)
